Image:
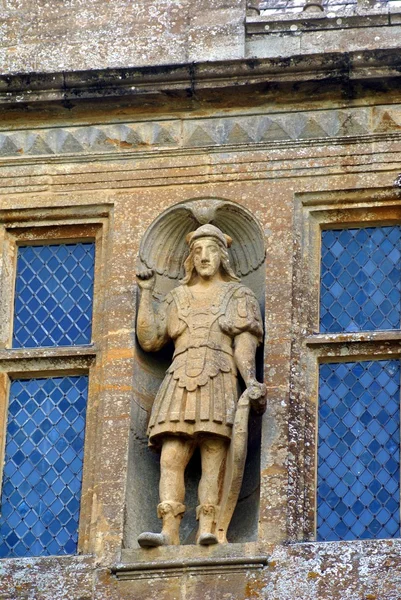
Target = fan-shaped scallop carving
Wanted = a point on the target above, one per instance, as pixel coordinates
(163, 247)
(247, 252)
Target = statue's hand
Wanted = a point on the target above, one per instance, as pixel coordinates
(146, 279)
(257, 395)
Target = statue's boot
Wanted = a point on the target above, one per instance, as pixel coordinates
(207, 517)
(171, 513)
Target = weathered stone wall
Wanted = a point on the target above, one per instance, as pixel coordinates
(337, 571)
(274, 123)
(119, 165)
(49, 36)
(46, 36)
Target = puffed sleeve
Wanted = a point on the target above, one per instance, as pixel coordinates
(243, 314)
(174, 324)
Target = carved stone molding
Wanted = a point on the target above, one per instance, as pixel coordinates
(233, 130)
(179, 568)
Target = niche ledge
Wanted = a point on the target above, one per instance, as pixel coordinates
(173, 561)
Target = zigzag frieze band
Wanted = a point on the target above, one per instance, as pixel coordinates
(208, 132)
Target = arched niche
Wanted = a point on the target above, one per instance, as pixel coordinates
(164, 250)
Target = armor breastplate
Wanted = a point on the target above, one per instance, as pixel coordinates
(199, 323)
(202, 332)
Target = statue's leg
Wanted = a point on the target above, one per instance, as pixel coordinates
(175, 455)
(213, 454)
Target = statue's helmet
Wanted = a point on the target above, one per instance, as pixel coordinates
(210, 231)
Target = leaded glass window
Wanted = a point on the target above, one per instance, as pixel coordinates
(360, 279)
(358, 462)
(42, 473)
(53, 295)
(358, 450)
(44, 443)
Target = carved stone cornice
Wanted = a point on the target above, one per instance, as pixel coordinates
(190, 78)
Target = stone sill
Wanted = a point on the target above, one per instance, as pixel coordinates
(87, 351)
(174, 561)
(28, 562)
(22, 362)
(299, 22)
(362, 337)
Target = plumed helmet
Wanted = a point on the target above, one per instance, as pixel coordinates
(209, 231)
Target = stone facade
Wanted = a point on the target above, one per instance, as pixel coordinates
(112, 114)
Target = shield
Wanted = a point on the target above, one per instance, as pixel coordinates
(234, 472)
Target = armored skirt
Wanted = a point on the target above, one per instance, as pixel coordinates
(200, 390)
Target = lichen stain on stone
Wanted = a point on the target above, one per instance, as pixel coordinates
(273, 470)
(47, 578)
(313, 575)
(119, 354)
(254, 589)
(118, 143)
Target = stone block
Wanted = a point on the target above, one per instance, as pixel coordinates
(272, 45)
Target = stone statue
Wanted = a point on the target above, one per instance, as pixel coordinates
(215, 324)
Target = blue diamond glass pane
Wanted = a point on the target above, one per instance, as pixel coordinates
(360, 279)
(358, 488)
(53, 295)
(41, 489)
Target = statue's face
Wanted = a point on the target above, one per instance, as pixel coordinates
(207, 257)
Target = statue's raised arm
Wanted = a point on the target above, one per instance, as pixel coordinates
(216, 326)
(151, 328)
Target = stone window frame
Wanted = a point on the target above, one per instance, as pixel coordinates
(313, 212)
(46, 226)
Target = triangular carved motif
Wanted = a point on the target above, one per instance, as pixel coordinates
(70, 144)
(35, 144)
(163, 137)
(63, 142)
(312, 130)
(238, 135)
(7, 146)
(200, 137)
(351, 125)
(97, 139)
(132, 137)
(270, 130)
(387, 123)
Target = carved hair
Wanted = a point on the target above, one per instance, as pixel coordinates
(225, 266)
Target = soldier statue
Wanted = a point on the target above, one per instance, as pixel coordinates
(215, 324)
